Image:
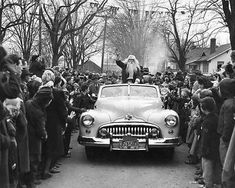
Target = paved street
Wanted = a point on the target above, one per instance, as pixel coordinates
(122, 170)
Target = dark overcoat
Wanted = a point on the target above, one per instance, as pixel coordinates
(36, 117)
(22, 142)
(56, 119)
(210, 137)
(4, 145)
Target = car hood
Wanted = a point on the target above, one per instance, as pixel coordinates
(138, 108)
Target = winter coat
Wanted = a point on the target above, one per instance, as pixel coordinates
(226, 120)
(57, 114)
(4, 146)
(83, 101)
(12, 151)
(22, 142)
(36, 117)
(210, 137)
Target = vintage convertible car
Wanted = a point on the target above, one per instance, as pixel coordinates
(129, 117)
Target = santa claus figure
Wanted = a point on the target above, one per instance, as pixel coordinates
(130, 68)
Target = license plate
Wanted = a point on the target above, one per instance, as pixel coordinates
(129, 143)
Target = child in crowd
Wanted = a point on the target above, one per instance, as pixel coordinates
(210, 143)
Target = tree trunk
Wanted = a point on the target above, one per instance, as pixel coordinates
(181, 64)
(55, 59)
(75, 65)
(229, 10)
(76, 60)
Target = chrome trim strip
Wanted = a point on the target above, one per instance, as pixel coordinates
(152, 143)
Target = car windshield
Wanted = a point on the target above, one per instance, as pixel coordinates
(114, 91)
(135, 91)
(143, 91)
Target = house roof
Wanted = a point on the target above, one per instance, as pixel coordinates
(91, 62)
(203, 54)
(90, 66)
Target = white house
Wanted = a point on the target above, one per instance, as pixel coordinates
(208, 60)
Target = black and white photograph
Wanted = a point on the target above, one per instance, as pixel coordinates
(117, 93)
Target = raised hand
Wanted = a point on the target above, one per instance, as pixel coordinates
(117, 52)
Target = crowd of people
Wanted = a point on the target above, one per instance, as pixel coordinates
(206, 109)
(39, 111)
(40, 108)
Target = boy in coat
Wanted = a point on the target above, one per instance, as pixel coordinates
(210, 143)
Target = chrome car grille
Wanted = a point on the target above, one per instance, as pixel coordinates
(118, 131)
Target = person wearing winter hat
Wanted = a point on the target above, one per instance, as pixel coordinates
(36, 116)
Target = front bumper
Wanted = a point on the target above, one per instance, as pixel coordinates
(148, 142)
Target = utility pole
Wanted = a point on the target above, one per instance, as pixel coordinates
(111, 12)
(104, 38)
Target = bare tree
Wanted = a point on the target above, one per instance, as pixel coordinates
(6, 7)
(131, 30)
(56, 18)
(229, 18)
(24, 35)
(84, 43)
(184, 26)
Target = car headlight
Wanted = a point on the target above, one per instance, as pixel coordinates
(171, 120)
(87, 120)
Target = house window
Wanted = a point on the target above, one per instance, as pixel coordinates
(219, 65)
(205, 67)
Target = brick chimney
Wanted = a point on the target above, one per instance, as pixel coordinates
(212, 45)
